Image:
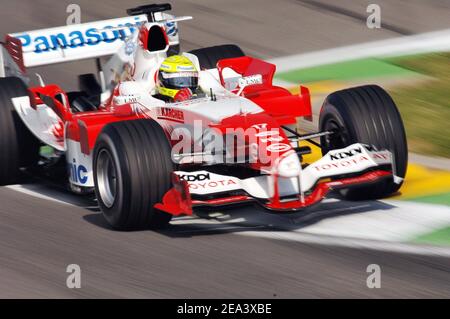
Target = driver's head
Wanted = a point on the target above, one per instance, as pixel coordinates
(177, 73)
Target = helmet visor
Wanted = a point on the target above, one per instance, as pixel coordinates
(179, 80)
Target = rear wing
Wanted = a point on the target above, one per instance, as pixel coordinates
(86, 40)
(73, 42)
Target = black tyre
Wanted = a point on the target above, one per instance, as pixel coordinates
(208, 57)
(132, 172)
(19, 147)
(365, 114)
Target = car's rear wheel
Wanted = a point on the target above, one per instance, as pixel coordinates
(208, 57)
(365, 114)
(19, 147)
(132, 172)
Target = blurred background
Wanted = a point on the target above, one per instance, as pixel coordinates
(323, 44)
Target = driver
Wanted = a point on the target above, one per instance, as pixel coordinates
(177, 80)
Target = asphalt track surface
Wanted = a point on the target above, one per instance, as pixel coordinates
(191, 259)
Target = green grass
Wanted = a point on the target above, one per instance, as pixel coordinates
(438, 237)
(425, 106)
(439, 199)
(351, 70)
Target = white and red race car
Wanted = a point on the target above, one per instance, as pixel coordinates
(148, 160)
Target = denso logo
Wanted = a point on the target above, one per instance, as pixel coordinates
(78, 173)
(195, 178)
(73, 38)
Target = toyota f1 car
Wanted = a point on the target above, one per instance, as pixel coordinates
(116, 139)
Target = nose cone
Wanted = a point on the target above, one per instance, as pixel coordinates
(289, 166)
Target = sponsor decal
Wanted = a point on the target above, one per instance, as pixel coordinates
(165, 66)
(180, 74)
(211, 184)
(73, 38)
(271, 136)
(78, 173)
(124, 75)
(381, 156)
(345, 154)
(166, 113)
(341, 163)
(195, 178)
(350, 153)
(130, 47)
(186, 68)
(278, 147)
(171, 29)
(204, 181)
(250, 80)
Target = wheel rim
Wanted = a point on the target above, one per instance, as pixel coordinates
(106, 178)
(340, 137)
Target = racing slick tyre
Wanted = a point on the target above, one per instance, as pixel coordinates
(19, 147)
(365, 114)
(208, 57)
(132, 172)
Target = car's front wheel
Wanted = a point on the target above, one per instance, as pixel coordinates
(365, 114)
(132, 172)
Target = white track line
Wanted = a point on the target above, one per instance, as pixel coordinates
(420, 43)
(24, 189)
(398, 221)
(51, 194)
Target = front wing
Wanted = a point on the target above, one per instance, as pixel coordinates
(354, 165)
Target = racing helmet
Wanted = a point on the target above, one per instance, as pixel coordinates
(177, 72)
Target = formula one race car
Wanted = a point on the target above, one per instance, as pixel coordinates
(148, 159)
